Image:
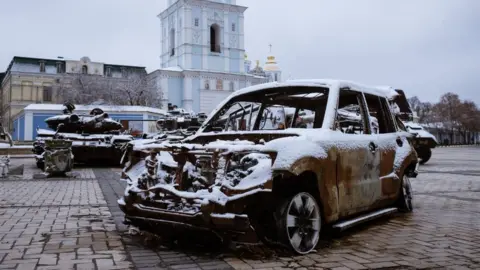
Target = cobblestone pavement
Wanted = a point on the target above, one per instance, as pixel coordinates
(67, 223)
(57, 224)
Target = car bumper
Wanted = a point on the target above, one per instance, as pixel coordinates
(236, 226)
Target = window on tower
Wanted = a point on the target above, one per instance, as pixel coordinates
(215, 38)
(233, 27)
(196, 22)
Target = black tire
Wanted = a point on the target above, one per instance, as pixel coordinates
(425, 154)
(41, 165)
(299, 222)
(405, 198)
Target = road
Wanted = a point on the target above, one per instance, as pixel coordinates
(76, 224)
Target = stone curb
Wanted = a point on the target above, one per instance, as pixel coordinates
(459, 145)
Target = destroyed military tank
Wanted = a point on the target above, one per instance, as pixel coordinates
(96, 139)
(423, 141)
(169, 130)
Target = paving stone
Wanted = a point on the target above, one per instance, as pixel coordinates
(77, 222)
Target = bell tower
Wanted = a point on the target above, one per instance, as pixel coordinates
(271, 68)
(204, 35)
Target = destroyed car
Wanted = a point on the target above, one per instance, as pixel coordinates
(277, 163)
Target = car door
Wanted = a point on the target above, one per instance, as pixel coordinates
(389, 138)
(358, 162)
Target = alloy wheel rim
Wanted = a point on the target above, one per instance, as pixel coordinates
(407, 191)
(303, 223)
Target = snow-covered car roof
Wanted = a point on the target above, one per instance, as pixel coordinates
(385, 91)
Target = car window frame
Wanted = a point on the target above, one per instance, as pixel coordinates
(367, 130)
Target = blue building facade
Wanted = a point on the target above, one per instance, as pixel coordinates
(33, 117)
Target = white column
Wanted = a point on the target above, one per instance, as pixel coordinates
(187, 93)
(145, 123)
(28, 126)
(227, 28)
(187, 38)
(205, 38)
(163, 89)
(241, 41)
(162, 38)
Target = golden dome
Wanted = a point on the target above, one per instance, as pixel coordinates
(271, 64)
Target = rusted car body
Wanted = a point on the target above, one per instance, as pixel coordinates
(275, 162)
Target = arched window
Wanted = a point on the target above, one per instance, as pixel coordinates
(84, 69)
(215, 38)
(172, 42)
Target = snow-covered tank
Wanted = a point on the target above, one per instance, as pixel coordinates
(96, 138)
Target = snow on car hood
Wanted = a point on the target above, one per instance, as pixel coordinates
(303, 143)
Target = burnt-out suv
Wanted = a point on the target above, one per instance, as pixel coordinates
(276, 162)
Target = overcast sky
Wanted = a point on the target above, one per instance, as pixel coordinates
(426, 47)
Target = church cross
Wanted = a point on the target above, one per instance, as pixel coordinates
(270, 48)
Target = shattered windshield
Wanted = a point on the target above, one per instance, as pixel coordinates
(272, 109)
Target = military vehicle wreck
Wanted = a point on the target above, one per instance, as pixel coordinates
(277, 163)
(58, 156)
(94, 138)
(423, 141)
(5, 138)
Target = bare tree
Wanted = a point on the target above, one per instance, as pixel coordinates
(415, 104)
(448, 111)
(469, 119)
(82, 88)
(423, 109)
(132, 88)
(136, 89)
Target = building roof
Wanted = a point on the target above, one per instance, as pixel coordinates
(23, 58)
(179, 70)
(106, 108)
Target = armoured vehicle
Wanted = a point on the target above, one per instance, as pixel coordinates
(95, 137)
(423, 141)
(276, 162)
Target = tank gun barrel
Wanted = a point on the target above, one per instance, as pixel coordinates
(54, 122)
(97, 118)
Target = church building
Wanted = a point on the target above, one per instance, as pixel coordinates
(203, 56)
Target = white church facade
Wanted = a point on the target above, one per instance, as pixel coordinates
(203, 56)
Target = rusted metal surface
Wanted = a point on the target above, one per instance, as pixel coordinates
(352, 177)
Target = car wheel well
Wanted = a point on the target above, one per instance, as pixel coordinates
(289, 185)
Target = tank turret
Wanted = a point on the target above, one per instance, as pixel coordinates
(96, 122)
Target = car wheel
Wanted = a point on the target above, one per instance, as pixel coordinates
(406, 196)
(299, 222)
(425, 155)
(41, 165)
